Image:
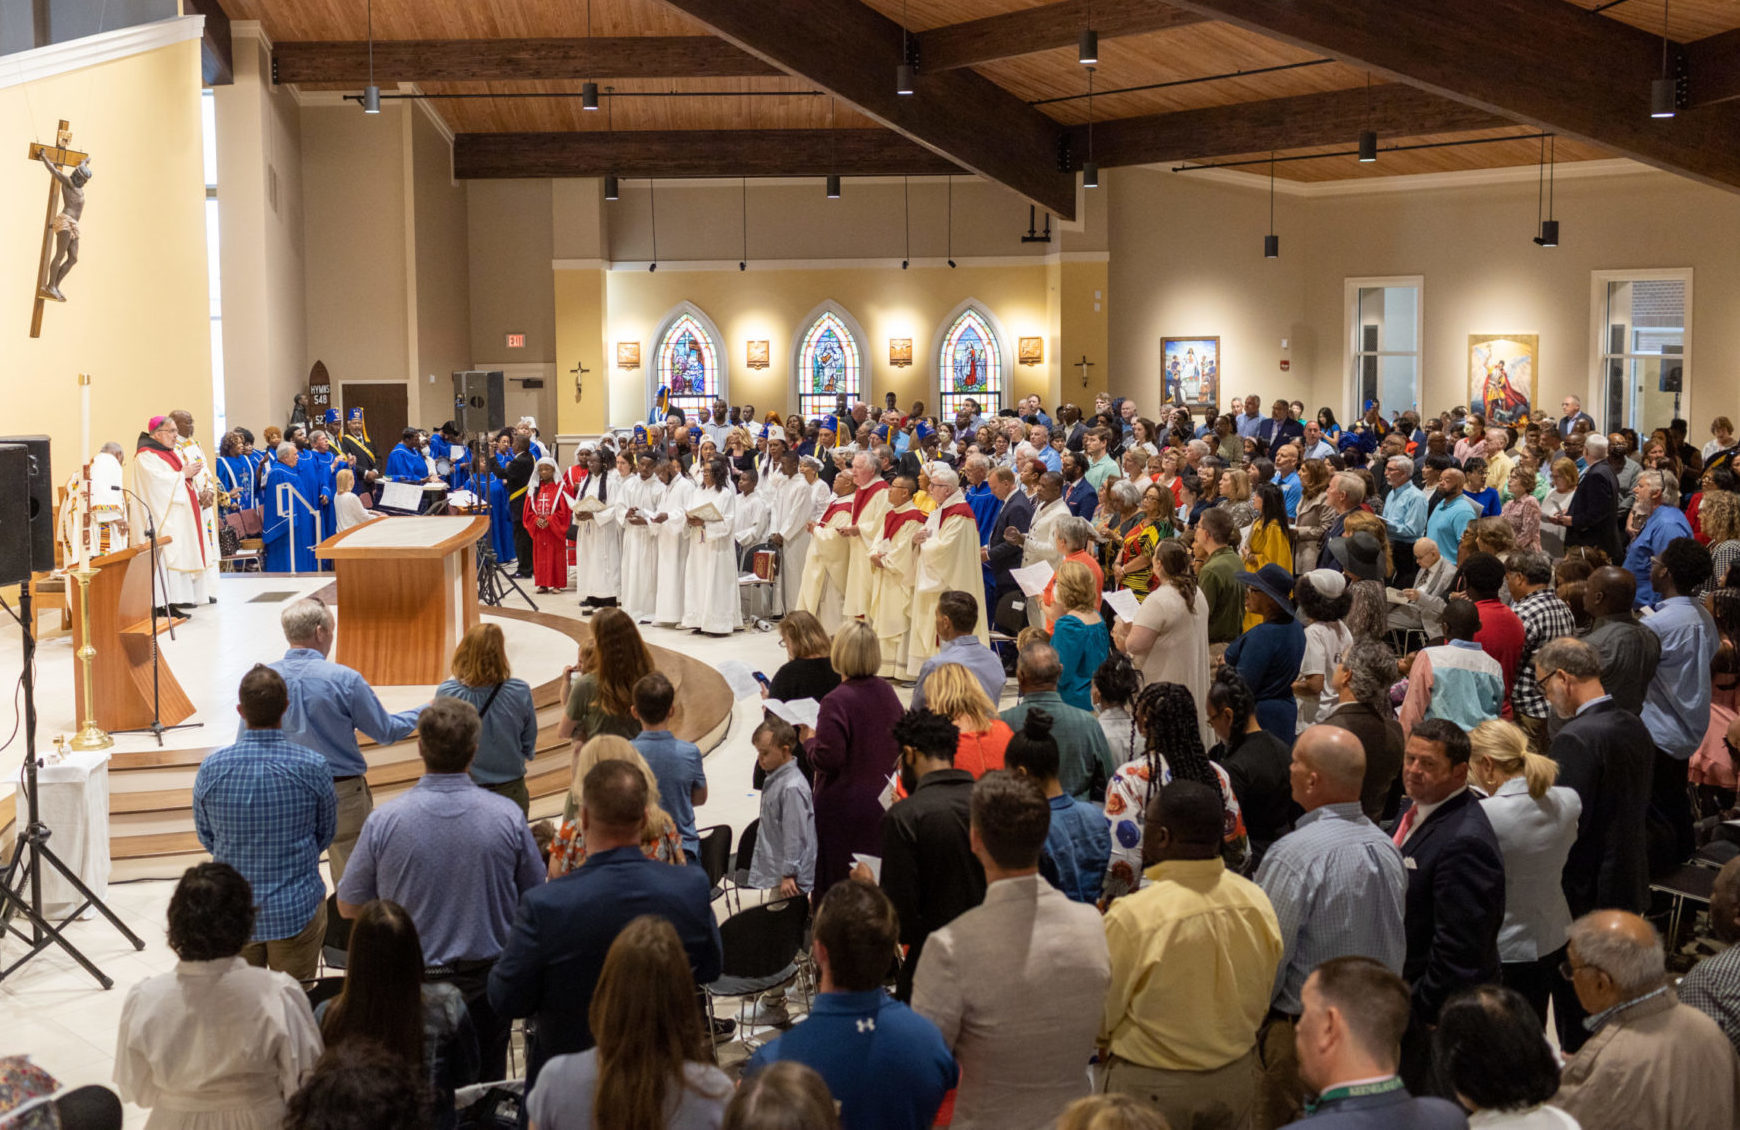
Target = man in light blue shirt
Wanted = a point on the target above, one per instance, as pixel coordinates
(1451, 516)
(675, 763)
(1676, 707)
(1316, 447)
(329, 703)
(1657, 497)
(957, 618)
(1287, 478)
(457, 858)
(1405, 507)
(1040, 438)
(1336, 881)
(1248, 421)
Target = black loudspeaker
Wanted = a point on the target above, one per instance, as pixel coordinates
(477, 401)
(26, 503)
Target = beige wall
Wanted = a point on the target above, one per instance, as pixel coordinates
(260, 217)
(1188, 261)
(356, 242)
(439, 241)
(510, 245)
(136, 314)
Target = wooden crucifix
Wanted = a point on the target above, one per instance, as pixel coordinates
(1084, 365)
(60, 225)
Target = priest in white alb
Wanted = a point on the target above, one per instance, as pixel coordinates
(106, 532)
(869, 507)
(894, 569)
(672, 543)
(948, 558)
(829, 560)
(165, 485)
(711, 603)
(205, 486)
(791, 512)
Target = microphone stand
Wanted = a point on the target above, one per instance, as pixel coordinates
(157, 728)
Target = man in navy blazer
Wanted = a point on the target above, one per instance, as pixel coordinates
(1455, 901)
(1281, 427)
(999, 553)
(1573, 408)
(1347, 1041)
(1593, 516)
(563, 930)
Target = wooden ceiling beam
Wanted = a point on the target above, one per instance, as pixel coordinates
(851, 50)
(1540, 62)
(694, 153)
(1045, 28)
(504, 60)
(1391, 110)
(216, 63)
(1713, 69)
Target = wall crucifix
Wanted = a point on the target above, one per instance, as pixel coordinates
(60, 226)
(1084, 365)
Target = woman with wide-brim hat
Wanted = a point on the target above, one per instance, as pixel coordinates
(1268, 655)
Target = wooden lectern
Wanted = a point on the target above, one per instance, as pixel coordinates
(120, 596)
(407, 591)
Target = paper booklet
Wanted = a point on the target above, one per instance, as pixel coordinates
(798, 711)
(873, 862)
(1394, 596)
(739, 678)
(1033, 578)
(588, 505)
(1124, 604)
(400, 496)
(706, 511)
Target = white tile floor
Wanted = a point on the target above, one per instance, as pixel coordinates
(54, 1010)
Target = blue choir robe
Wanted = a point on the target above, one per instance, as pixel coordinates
(235, 475)
(461, 473)
(327, 461)
(286, 553)
(406, 465)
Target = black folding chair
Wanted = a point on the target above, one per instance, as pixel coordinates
(715, 856)
(761, 948)
(739, 876)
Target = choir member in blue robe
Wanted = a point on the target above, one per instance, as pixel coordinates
(287, 529)
(235, 474)
(405, 463)
(451, 451)
(329, 461)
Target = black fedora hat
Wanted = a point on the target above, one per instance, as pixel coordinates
(1360, 554)
(1273, 581)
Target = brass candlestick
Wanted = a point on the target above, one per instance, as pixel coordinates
(90, 736)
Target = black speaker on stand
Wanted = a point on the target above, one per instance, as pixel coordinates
(477, 401)
(26, 504)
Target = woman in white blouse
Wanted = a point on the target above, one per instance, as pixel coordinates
(348, 509)
(1169, 640)
(217, 1044)
(1536, 823)
(1563, 477)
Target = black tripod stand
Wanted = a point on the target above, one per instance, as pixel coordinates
(21, 886)
(493, 579)
(157, 729)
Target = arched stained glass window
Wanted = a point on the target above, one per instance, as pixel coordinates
(830, 363)
(688, 365)
(970, 365)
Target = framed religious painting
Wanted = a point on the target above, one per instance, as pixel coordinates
(628, 355)
(900, 352)
(757, 355)
(1502, 370)
(1031, 351)
(1190, 371)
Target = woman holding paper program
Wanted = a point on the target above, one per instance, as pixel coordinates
(710, 575)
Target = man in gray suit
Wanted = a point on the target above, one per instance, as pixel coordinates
(1017, 983)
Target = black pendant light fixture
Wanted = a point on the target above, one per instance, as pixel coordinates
(833, 178)
(951, 254)
(743, 263)
(904, 72)
(1367, 136)
(1090, 169)
(589, 89)
(652, 212)
(371, 92)
(1271, 242)
(1664, 92)
(1087, 44)
(1549, 228)
(906, 197)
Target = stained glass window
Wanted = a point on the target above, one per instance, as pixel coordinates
(688, 364)
(971, 366)
(829, 364)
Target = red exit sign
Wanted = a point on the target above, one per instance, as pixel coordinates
(516, 341)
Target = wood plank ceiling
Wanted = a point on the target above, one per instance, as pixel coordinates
(1261, 81)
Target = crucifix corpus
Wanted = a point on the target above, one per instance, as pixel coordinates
(60, 226)
(1084, 365)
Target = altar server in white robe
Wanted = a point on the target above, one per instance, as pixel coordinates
(793, 511)
(754, 510)
(672, 541)
(598, 533)
(948, 558)
(869, 507)
(711, 603)
(165, 484)
(205, 486)
(821, 490)
(642, 496)
(829, 560)
(894, 568)
(1041, 539)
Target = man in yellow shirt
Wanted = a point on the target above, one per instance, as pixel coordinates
(1194, 956)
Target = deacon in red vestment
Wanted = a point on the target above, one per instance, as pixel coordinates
(546, 516)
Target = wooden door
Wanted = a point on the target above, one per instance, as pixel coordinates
(384, 410)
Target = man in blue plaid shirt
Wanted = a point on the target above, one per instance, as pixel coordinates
(1529, 573)
(267, 808)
